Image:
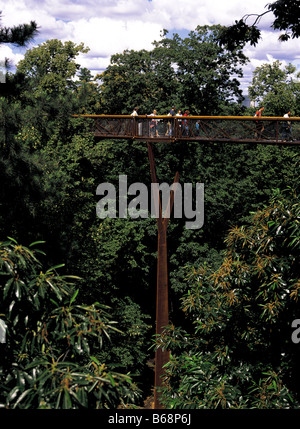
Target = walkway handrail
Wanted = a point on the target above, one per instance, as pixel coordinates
(247, 118)
(235, 129)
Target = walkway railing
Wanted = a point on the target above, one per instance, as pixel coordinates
(234, 129)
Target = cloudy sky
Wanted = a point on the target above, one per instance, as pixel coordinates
(111, 26)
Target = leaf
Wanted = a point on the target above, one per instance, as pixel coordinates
(111, 379)
(16, 319)
(94, 359)
(54, 302)
(55, 267)
(12, 239)
(36, 301)
(81, 396)
(12, 394)
(85, 345)
(74, 296)
(58, 400)
(7, 287)
(18, 290)
(67, 401)
(22, 396)
(36, 242)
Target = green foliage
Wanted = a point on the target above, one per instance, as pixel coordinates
(276, 88)
(193, 72)
(135, 332)
(286, 14)
(19, 34)
(286, 18)
(50, 67)
(48, 94)
(127, 82)
(87, 93)
(49, 359)
(238, 352)
(20, 176)
(239, 34)
(110, 255)
(52, 165)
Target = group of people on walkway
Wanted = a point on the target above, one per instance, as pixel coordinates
(286, 126)
(182, 123)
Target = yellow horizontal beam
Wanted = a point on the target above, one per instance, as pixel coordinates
(246, 118)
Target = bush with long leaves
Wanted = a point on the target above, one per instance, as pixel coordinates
(239, 352)
(49, 356)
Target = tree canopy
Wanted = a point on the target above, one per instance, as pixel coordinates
(18, 35)
(276, 87)
(193, 73)
(50, 67)
(63, 347)
(286, 18)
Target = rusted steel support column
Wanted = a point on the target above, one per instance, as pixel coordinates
(162, 299)
(162, 310)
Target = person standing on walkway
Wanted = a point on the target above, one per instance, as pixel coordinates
(179, 121)
(153, 125)
(170, 123)
(137, 126)
(185, 125)
(135, 112)
(287, 128)
(259, 124)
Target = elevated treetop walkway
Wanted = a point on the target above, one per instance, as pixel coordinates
(231, 129)
(205, 129)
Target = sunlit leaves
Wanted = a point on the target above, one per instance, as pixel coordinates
(193, 72)
(239, 353)
(50, 67)
(52, 341)
(276, 87)
(45, 383)
(270, 392)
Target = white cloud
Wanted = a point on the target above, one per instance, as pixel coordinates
(189, 14)
(111, 26)
(106, 36)
(7, 52)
